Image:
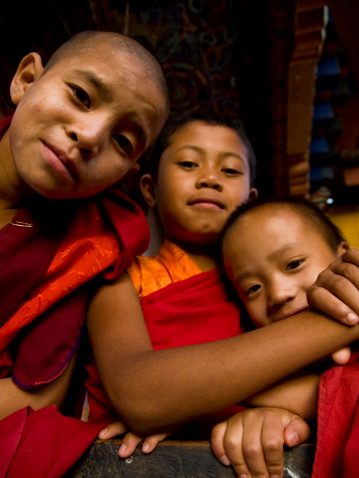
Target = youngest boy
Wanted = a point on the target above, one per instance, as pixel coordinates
(273, 251)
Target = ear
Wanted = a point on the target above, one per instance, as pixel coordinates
(343, 246)
(148, 189)
(253, 194)
(29, 70)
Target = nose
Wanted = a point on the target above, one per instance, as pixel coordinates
(209, 177)
(87, 136)
(280, 291)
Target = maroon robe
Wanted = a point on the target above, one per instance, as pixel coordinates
(45, 443)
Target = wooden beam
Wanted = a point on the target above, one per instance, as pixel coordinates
(175, 459)
(297, 37)
(345, 14)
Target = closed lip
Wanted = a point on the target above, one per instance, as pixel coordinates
(206, 200)
(68, 162)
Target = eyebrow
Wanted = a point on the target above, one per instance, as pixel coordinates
(201, 151)
(100, 86)
(272, 256)
(242, 276)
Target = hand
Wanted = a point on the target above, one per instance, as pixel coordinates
(336, 291)
(131, 440)
(252, 440)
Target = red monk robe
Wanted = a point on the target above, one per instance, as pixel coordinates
(337, 454)
(48, 255)
(181, 306)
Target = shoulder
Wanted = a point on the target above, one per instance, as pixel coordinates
(149, 274)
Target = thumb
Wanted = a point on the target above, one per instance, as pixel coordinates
(296, 432)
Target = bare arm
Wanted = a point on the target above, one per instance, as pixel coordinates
(298, 394)
(155, 390)
(13, 398)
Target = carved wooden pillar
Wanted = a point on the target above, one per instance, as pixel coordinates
(294, 64)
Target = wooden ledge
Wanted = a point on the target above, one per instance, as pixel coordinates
(175, 459)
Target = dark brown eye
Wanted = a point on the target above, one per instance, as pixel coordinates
(82, 96)
(294, 264)
(252, 289)
(231, 172)
(124, 143)
(187, 164)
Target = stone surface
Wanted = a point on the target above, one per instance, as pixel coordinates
(180, 459)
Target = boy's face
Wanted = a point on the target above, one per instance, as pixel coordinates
(203, 176)
(82, 125)
(271, 258)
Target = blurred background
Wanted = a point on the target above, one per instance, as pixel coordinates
(288, 68)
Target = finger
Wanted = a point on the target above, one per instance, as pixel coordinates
(152, 441)
(296, 432)
(347, 270)
(337, 307)
(112, 430)
(217, 443)
(272, 443)
(351, 255)
(346, 267)
(342, 356)
(250, 461)
(129, 444)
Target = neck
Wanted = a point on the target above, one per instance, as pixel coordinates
(205, 256)
(14, 193)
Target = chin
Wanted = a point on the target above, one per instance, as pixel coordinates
(207, 239)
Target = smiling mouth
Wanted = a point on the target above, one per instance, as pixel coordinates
(207, 203)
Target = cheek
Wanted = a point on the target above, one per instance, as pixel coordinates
(312, 276)
(256, 312)
(238, 194)
(111, 173)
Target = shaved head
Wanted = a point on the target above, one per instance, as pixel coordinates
(88, 40)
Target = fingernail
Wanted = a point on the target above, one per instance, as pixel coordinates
(224, 459)
(122, 450)
(352, 318)
(145, 447)
(103, 434)
(293, 440)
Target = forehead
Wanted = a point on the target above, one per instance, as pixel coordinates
(209, 137)
(271, 228)
(275, 219)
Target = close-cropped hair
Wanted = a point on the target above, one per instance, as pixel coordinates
(150, 162)
(313, 216)
(88, 39)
